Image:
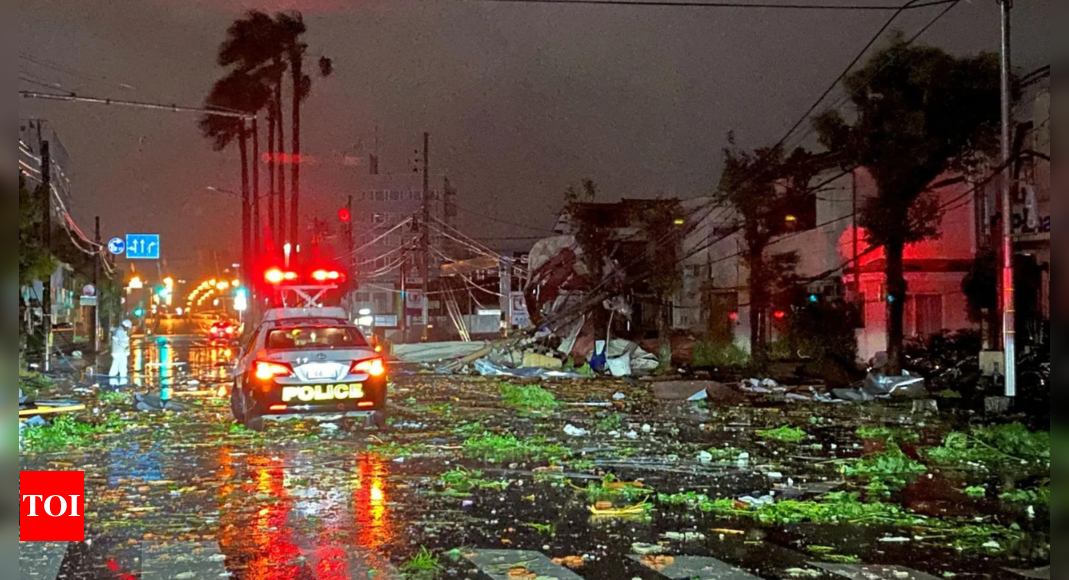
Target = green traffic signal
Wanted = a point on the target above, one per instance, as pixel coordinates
(139, 312)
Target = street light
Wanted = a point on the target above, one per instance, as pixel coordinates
(136, 283)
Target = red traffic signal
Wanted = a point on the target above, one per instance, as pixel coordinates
(345, 215)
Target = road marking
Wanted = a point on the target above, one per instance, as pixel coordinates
(862, 572)
(1038, 574)
(182, 560)
(41, 560)
(510, 564)
(690, 567)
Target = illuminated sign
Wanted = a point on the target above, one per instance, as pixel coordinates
(143, 246)
(311, 393)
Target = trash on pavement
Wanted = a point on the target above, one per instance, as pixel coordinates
(573, 431)
(533, 359)
(882, 385)
(646, 549)
(757, 502)
(640, 361)
(620, 367)
(434, 352)
(683, 536)
(145, 403)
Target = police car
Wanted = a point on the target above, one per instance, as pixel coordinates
(308, 363)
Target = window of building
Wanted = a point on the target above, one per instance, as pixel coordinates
(382, 303)
(927, 314)
(395, 195)
(378, 218)
(380, 196)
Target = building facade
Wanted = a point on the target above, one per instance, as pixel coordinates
(33, 134)
(387, 211)
(835, 257)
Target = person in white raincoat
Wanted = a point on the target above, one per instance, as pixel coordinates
(120, 354)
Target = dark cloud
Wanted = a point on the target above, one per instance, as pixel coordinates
(520, 100)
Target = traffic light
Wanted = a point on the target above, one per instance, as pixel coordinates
(139, 312)
(345, 215)
(241, 299)
(814, 298)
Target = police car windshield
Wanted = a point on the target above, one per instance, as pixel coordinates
(315, 338)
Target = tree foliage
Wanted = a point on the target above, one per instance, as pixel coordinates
(763, 188)
(918, 112)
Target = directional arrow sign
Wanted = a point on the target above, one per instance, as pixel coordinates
(143, 246)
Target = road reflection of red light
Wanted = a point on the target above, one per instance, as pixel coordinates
(371, 513)
(114, 567)
(263, 531)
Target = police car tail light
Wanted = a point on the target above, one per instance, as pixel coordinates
(374, 367)
(266, 371)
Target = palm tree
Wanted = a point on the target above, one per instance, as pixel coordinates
(236, 92)
(255, 46)
(293, 28)
(262, 48)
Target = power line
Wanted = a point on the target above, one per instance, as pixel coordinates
(733, 5)
(502, 221)
(72, 97)
(910, 5)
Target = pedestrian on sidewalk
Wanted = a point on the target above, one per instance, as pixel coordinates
(120, 354)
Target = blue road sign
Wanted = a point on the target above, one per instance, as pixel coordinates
(143, 246)
(117, 246)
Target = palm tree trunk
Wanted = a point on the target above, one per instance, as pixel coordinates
(297, 70)
(896, 305)
(281, 169)
(256, 232)
(243, 143)
(272, 228)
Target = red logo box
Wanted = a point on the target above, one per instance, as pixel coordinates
(51, 506)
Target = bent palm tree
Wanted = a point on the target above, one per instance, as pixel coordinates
(255, 46)
(242, 93)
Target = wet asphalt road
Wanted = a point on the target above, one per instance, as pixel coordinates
(187, 496)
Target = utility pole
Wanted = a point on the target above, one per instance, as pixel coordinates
(246, 206)
(1009, 314)
(46, 238)
(857, 239)
(403, 320)
(350, 249)
(425, 241)
(96, 285)
(505, 289)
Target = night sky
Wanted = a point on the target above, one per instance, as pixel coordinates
(520, 100)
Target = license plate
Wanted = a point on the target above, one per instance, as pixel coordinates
(321, 372)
